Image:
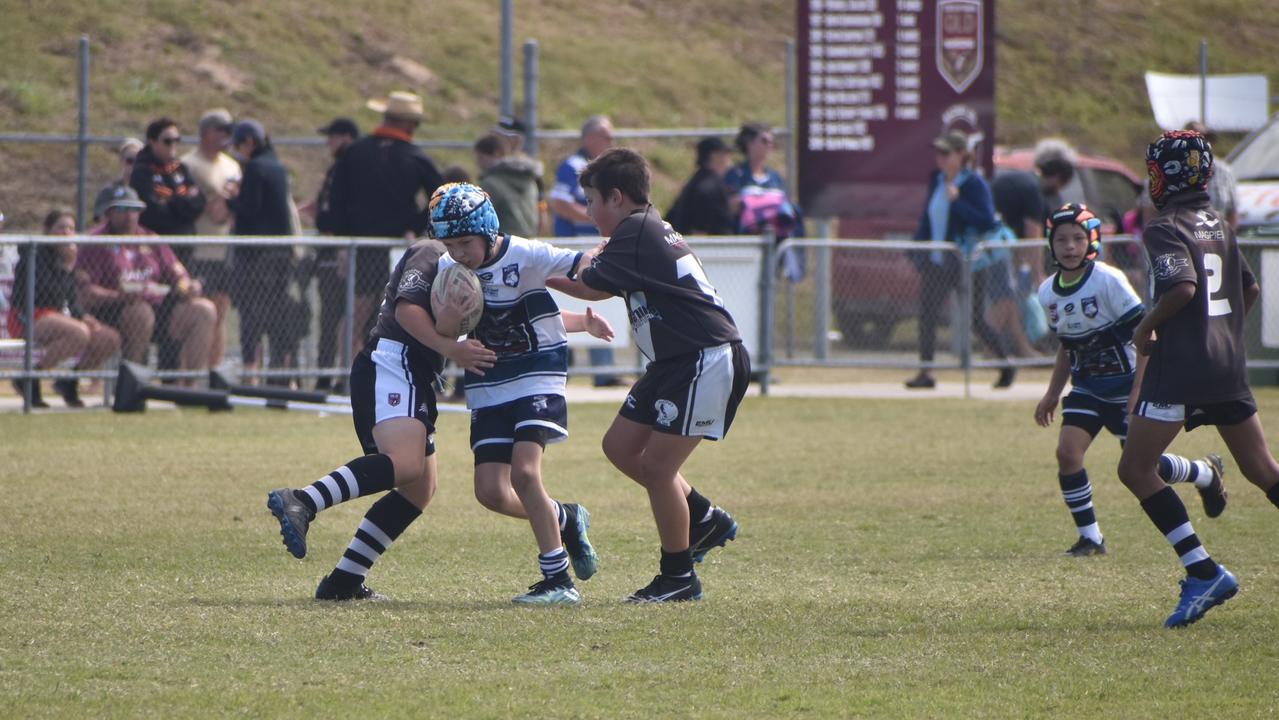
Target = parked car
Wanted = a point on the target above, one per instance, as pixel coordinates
(1255, 162)
(875, 290)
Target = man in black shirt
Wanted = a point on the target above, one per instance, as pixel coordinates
(1196, 373)
(697, 372)
(394, 410)
(330, 271)
(380, 187)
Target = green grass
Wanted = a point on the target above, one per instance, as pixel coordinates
(897, 559)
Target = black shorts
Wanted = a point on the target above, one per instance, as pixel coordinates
(694, 395)
(542, 419)
(387, 384)
(215, 276)
(1091, 414)
(1231, 412)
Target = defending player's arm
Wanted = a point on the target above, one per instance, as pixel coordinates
(573, 284)
(1061, 373)
(588, 322)
(469, 354)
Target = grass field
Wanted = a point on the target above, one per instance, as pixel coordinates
(897, 559)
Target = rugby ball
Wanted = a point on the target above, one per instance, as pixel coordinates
(456, 286)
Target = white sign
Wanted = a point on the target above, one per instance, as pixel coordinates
(1237, 103)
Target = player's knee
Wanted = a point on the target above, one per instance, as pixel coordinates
(490, 495)
(1069, 458)
(409, 468)
(1130, 473)
(525, 477)
(617, 452)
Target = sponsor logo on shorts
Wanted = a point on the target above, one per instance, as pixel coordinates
(704, 423)
(666, 412)
(630, 401)
(393, 399)
(423, 409)
(539, 403)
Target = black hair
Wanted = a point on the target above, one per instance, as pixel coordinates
(158, 126)
(620, 169)
(748, 133)
(55, 215)
(490, 144)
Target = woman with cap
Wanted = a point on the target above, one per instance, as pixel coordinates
(959, 208)
(62, 330)
(703, 207)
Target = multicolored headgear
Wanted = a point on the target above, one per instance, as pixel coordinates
(1178, 161)
(460, 209)
(1072, 214)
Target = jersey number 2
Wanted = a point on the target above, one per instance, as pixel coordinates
(1213, 267)
(689, 266)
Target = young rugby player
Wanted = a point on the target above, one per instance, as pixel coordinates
(394, 411)
(1093, 310)
(517, 406)
(1197, 373)
(697, 372)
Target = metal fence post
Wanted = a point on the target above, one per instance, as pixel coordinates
(507, 59)
(530, 96)
(768, 284)
(82, 137)
(792, 132)
(29, 331)
(966, 319)
(348, 338)
(821, 311)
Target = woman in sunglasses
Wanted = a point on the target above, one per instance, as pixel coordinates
(165, 184)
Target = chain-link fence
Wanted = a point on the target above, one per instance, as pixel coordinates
(280, 310)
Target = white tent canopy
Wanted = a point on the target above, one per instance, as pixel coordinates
(1238, 103)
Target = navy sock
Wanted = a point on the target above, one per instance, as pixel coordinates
(677, 564)
(1167, 512)
(382, 524)
(698, 507)
(365, 475)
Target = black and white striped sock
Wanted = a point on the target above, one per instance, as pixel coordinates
(1168, 513)
(365, 475)
(1077, 492)
(553, 563)
(1175, 469)
(382, 524)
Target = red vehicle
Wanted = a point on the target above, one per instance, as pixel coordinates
(874, 290)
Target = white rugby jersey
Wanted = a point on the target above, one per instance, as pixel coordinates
(521, 322)
(1094, 320)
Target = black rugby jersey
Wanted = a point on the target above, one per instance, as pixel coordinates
(1199, 354)
(410, 282)
(674, 310)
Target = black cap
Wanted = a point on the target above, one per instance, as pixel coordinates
(508, 125)
(341, 126)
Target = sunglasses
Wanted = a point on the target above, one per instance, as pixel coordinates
(170, 140)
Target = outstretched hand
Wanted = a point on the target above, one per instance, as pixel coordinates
(597, 326)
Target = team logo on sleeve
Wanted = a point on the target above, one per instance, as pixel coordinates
(413, 280)
(1167, 265)
(666, 412)
(1089, 306)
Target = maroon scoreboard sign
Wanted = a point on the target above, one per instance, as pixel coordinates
(878, 80)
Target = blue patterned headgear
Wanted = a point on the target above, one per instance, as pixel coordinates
(460, 209)
(1179, 160)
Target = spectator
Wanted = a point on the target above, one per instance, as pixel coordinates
(128, 154)
(263, 272)
(1222, 189)
(139, 287)
(62, 329)
(703, 207)
(568, 205)
(959, 210)
(330, 265)
(375, 192)
(512, 184)
(455, 174)
(163, 182)
(1055, 164)
(218, 177)
(758, 193)
(513, 133)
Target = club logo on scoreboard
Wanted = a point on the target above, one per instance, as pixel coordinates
(959, 42)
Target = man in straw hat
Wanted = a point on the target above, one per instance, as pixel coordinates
(376, 187)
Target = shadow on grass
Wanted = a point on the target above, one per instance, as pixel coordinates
(311, 604)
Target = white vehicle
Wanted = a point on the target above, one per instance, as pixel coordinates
(1255, 162)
